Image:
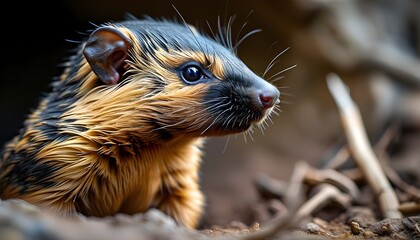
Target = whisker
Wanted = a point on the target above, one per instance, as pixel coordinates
(171, 125)
(261, 127)
(245, 139)
(226, 144)
(203, 103)
(72, 41)
(287, 94)
(272, 63)
(276, 79)
(220, 35)
(227, 119)
(265, 54)
(274, 111)
(245, 37)
(229, 33)
(191, 31)
(250, 132)
(213, 108)
(269, 119)
(242, 28)
(282, 71)
(211, 30)
(214, 121)
(130, 16)
(197, 113)
(94, 24)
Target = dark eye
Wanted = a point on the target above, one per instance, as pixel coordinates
(191, 73)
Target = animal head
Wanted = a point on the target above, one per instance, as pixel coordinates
(153, 79)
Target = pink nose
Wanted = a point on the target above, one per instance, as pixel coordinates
(264, 95)
(267, 100)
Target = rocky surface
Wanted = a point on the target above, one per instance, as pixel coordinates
(20, 220)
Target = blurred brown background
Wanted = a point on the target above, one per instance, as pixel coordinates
(373, 45)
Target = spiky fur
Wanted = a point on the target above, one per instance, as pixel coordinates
(103, 149)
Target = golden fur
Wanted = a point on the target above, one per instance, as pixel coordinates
(122, 148)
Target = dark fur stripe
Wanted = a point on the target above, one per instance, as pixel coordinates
(28, 174)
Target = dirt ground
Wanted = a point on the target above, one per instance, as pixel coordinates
(299, 177)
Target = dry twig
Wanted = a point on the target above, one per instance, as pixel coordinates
(333, 177)
(361, 149)
(325, 194)
(273, 188)
(410, 208)
(293, 200)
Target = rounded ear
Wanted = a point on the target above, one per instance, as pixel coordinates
(105, 51)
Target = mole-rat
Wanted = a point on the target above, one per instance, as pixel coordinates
(122, 129)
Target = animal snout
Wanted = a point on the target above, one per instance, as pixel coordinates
(268, 99)
(265, 95)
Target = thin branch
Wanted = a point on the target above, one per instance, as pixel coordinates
(361, 148)
(325, 194)
(293, 202)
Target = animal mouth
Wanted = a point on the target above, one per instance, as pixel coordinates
(238, 121)
(236, 109)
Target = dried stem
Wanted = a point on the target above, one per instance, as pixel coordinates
(274, 188)
(331, 176)
(293, 200)
(325, 194)
(410, 208)
(361, 148)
